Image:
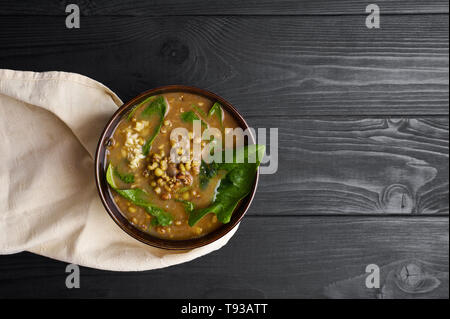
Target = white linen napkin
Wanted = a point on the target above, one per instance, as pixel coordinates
(50, 124)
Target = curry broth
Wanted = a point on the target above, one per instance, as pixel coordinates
(118, 154)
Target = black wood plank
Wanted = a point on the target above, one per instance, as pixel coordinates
(272, 258)
(356, 166)
(271, 65)
(219, 7)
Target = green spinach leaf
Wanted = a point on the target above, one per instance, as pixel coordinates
(126, 178)
(190, 117)
(139, 197)
(199, 110)
(207, 171)
(157, 106)
(134, 109)
(216, 109)
(188, 206)
(233, 187)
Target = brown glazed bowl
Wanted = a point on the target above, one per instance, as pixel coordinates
(106, 193)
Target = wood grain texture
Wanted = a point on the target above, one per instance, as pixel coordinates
(218, 7)
(271, 258)
(356, 166)
(286, 66)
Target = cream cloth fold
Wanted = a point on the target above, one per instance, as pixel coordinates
(50, 123)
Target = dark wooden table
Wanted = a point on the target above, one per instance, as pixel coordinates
(363, 134)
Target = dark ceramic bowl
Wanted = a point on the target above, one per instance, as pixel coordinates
(106, 195)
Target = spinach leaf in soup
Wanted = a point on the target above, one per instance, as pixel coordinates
(199, 110)
(216, 109)
(190, 117)
(126, 178)
(159, 107)
(207, 171)
(134, 109)
(188, 206)
(139, 197)
(234, 186)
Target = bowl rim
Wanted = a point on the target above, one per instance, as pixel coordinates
(105, 193)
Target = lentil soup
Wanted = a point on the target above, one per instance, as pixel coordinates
(159, 186)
